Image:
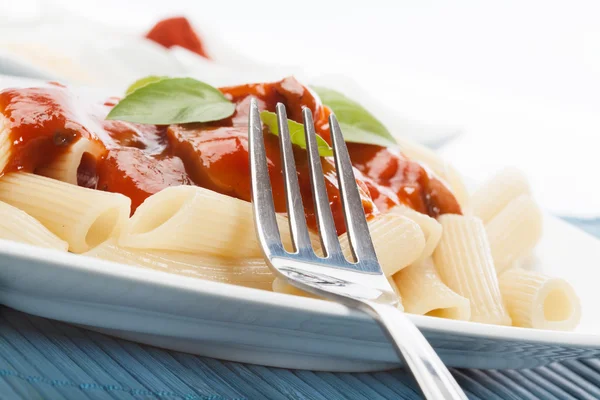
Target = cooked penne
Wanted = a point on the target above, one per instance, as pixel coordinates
(244, 272)
(424, 293)
(197, 220)
(439, 166)
(423, 154)
(430, 227)
(514, 231)
(397, 291)
(18, 226)
(66, 165)
(398, 242)
(82, 217)
(459, 189)
(491, 197)
(464, 262)
(281, 286)
(169, 221)
(5, 144)
(538, 301)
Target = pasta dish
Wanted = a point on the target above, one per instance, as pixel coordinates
(175, 197)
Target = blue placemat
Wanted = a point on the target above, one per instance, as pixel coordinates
(45, 359)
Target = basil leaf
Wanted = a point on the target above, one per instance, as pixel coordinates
(358, 125)
(173, 101)
(143, 82)
(296, 133)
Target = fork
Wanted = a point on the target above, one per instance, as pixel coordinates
(360, 283)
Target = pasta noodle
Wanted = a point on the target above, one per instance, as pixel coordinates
(197, 220)
(423, 154)
(244, 272)
(397, 291)
(430, 227)
(283, 223)
(514, 232)
(169, 220)
(18, 226)
(439, 166)
(281, 286)
(5, 144)
(464, 262)
(490, 198)
(82, 217)
(65, 167)
(424, 293)
(459, 189)
(398, 242)
(535, 300)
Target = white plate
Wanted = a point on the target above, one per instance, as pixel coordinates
(254, 326)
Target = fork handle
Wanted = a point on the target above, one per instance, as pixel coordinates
(429, 371)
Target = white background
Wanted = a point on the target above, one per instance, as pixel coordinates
(520, 78)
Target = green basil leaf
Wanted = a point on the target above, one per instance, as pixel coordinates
(143, 82)
(358, 125)
(296, 133)
(173, 101)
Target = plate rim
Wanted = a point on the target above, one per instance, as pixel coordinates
(322, 308)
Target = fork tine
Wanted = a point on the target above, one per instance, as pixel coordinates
(354, 215)
(293, 198)
(262, 194)
(329, 239)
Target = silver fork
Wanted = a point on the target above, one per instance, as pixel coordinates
(360, 284)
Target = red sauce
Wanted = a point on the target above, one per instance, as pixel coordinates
(44, 122)
(217, 153)
(177, 31)
(393, 179)
(139, 160)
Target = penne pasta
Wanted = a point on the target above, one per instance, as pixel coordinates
(82, 217)
(424, 155)
(243, 272)
(396, 290)
(283, 223)
(491, 197)
(439, 166)
(464, 262)
(5, 144)
(197, 220)
(424, 293)
(65, 167)
(538, 301)
(432, 230)
(514, 232)
(281, 286)
(170, 220)
(398, 242)
(18, 226)
(459, 188)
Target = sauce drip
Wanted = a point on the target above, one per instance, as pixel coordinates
(177, 31)
(138, 160)
(393, 179)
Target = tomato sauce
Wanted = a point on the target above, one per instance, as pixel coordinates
(139, 160)
(177, 31)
